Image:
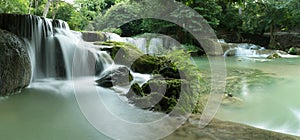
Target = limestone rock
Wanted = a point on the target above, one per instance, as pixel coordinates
(15, 66)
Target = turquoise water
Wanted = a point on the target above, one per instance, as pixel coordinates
(273, 103)
(48, 109)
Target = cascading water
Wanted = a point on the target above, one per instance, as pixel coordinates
(249, 50)
(152, 44)
(51, 45)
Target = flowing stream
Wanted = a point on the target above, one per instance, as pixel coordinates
(274, 103)
(48, 109)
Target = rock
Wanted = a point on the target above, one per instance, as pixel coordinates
(223, 130)
(161, 95)
(294, 51)
(229, 99)
(130, 56)
(119, 75)
(91, 36)
(15, 66)
(274, 56)
(146, 64)
(135, 91)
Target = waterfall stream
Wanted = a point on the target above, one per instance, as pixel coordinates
(64, 69)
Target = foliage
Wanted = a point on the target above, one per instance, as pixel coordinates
(240, 16)
(65, 12)
(191, 48)
(14, 6)
(230, 18)
(116, 14)
(209, 9)
(113, 30)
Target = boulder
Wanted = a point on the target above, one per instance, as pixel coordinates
(118, 75)
(15, 66)
(130, 56)
(91, 36)
(161, 95)
(274, 56)
(294, 51)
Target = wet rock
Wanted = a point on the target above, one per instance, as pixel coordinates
(229, 99)
(130, 56)
(15, 66)
(223, 130)
(274, 56)
(135, 91)
(91, 36)
(294, 51)
(119, 75)
(146, 64)
(161, 95)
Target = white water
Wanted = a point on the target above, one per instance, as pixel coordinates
(48, 108)
(272, 106)
(252, 51)
(152, 44)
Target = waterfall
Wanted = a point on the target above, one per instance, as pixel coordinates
(249, 50)
(152, 44)
(52, 45)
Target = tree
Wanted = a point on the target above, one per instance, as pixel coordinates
(14, 6)
(261, 16)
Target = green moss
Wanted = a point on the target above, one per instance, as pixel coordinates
(274, 56)
(135, 91)
(92, 36)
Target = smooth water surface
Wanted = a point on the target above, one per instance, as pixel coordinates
(48, 109)
(274, 103)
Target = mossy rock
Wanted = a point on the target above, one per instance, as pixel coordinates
(294, 51)
(162, 95)
(274, 56)
(91, 36)
(135, 91)
(147, 64)
(130, 56)
(168, 87)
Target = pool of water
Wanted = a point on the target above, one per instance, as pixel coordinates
(49, 110)
(274, 103)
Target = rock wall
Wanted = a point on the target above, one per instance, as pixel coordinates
(15, 67)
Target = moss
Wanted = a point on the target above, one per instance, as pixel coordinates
(91, 36)
(135, 91)
(274, 56)
(292, 51)
(163, 95)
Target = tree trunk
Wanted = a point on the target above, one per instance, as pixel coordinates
(272, 43)
(55, 9)
(36, 5)
(47, 8)
(30, 5)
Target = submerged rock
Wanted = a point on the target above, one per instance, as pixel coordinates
(119, 75)
(15, 66)
(229, 99)
(274, 56)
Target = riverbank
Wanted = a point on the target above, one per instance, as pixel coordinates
(224, 130)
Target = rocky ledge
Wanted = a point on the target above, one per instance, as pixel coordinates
(15, 66)
(224, 130)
